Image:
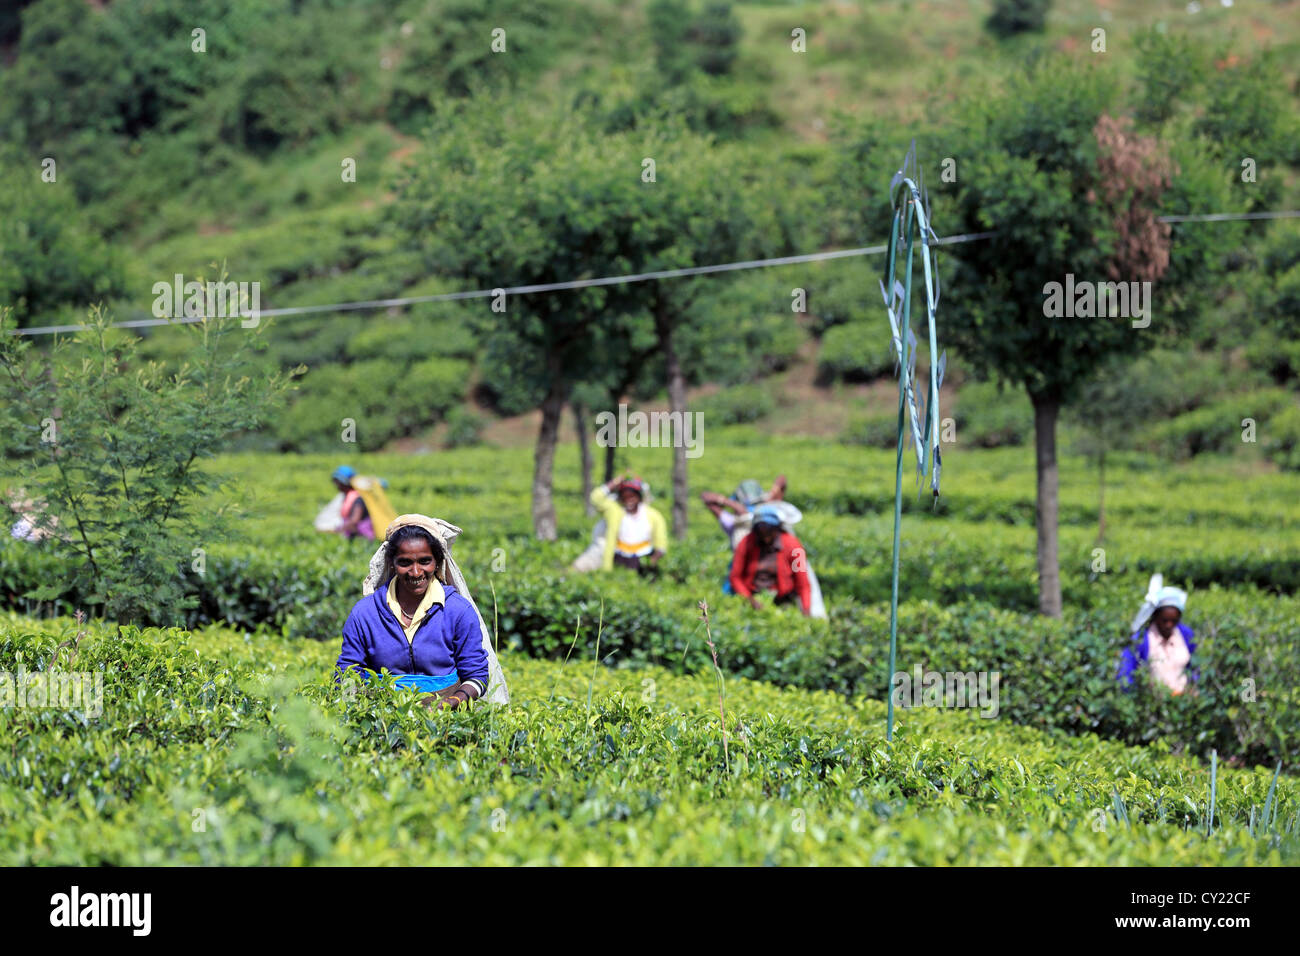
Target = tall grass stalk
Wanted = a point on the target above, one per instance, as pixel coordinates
(722, 684)
(573, 644)
(1214, 782)
(595, 661)
(1266, 821)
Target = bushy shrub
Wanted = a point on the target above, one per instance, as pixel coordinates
(464, 428)
(1216, 427)
(447, 52)
(1282, 438)
(854, 352)
(967, 578)
(433, 386)
(716, 32)
(736, 405)
(384, 398)
(1010, 17)
(989, 417)
(878, 430)
(251, 737)
(48, 258)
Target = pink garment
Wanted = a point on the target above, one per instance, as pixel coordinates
(1168, 659)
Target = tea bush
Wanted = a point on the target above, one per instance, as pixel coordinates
(222, 748)
(1218, 426)
(989, 417)
(1282, 438)
(736, 405)
(967, 579)
(854, 352)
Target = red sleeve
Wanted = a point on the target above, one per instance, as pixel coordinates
(799, 568)
(740, 573)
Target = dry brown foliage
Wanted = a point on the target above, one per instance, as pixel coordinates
(1133, 173)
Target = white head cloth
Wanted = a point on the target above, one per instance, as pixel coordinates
(1158, 596)
(449, 573)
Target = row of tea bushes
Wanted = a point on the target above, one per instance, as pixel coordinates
(220, 748)
(1056, 674)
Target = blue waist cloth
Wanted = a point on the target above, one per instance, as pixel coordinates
(425, 683)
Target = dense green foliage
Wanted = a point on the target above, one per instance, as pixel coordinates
(112, 449)
(220, 748)
(233, 154)
(481, 160)
(967, 579)
(48, 258)
(1010, 17)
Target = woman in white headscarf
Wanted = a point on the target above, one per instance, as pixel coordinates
(1160, 641)
(418, 621)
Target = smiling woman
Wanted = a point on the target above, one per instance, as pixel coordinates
(418, 622)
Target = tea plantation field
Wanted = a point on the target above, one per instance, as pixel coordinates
(223, 748)
(224, 740)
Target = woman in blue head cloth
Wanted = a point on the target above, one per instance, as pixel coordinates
(1161, 643)
(771, 559)
(735, 511)
(356, 518)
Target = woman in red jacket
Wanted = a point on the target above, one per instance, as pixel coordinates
(771, 559)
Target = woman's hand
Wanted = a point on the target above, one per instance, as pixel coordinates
(446, 702)
(755, 603)
(453, 701)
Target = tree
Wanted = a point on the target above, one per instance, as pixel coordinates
(1108, 408)
(685, 38)
(1275, 296)
(516, 197)
(48, 259)
(710, 204)
(505, 196)
(1010, 17)
(1070, 193)
(111, 449)
(717, 33)
(670, 26)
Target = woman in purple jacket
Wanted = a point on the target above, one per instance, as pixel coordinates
(1161, 644)
(416, 624)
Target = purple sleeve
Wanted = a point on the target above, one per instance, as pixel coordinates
(353, 653)
(727, 520)
(1128, 663)
(1193, 673)
(467, 645)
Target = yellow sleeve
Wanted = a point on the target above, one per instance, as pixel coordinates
(605, 502)
(659, 531)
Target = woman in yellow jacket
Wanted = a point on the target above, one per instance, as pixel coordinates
(636, 536)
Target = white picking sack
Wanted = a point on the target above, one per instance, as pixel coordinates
(330, 518)
(594, 556)
(816, 606)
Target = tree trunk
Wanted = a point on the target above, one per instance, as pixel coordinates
(1046, 411)
(544, 523)
(677, 406)
(610, 449)
(584, 447)
(1101, 498)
